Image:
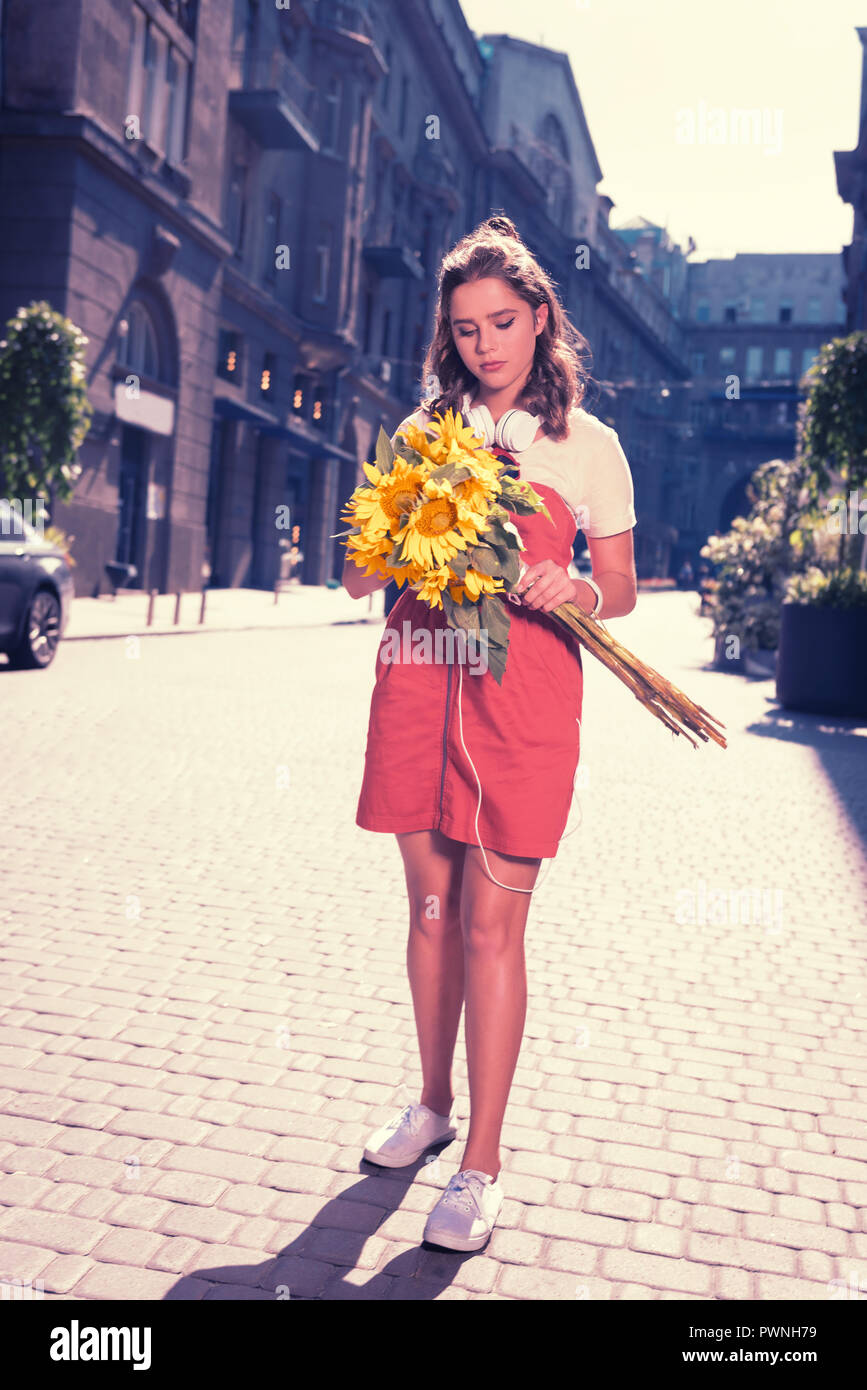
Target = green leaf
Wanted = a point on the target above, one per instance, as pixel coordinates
(466, 616)
(496, 619)
(384, 452)
(451, 473)
(496, 658)
(484, 558)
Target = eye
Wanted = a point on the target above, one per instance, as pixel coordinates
(462, 334)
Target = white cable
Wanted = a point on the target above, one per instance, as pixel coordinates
(479, 807)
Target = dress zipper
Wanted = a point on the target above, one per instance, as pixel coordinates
(445, 739)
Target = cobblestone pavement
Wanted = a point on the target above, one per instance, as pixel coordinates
(205, 1009)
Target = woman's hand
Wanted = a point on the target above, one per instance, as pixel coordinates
(545, 586)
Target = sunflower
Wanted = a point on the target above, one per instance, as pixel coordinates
(474, 584)
(430, 588)
(440, 526)
(380, 509)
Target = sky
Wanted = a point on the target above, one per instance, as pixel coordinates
(659, 81)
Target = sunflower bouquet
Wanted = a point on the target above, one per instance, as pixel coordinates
(435, 515)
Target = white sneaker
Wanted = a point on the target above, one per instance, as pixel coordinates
(467, 1211)
(406, 1136)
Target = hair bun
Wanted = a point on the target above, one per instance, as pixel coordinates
(504, 225)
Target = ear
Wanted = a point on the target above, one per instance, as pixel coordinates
(541, 318)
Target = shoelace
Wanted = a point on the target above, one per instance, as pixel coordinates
(462, 1192)
(411, 1115)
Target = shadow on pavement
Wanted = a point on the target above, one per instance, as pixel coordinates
(841, 744)
(315, 1265)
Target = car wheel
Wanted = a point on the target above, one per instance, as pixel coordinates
(38, 645)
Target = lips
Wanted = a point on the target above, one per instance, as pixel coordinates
(492, 366)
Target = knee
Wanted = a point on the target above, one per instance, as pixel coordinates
(435, 917)
(490, 937)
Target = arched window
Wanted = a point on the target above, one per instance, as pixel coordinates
(137, 342)
(551, 164)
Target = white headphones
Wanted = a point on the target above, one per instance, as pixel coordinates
(514, 431)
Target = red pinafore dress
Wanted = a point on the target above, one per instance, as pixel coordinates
(523, 736)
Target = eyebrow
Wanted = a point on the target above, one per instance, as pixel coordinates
(490, 316)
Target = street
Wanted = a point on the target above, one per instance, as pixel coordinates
(205, 1008)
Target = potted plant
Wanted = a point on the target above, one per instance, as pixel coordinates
(752, 562)
(44, 408)
(823, 621)
(823, 635)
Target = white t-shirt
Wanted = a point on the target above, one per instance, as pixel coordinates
(588, 469)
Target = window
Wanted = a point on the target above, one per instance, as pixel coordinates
(153, 110)
(319, 405)
(783, 362)
(386, 82)
(177, 83)
(404, 103)
(730, 313)
(266, 381)
(229, 355)
(272, 236)
(726, 356)
(331, 116)
(698, 363)
(702, 311)
(368, 320)
(236, 206)
(158, 89)
(814, 310)
(137, 342)
(299, 389)
(808, 357)
(758, 310)
(322, 265)
(786, 309)
(754, 363)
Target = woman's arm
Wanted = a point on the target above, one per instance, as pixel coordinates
(356, 584)
(546, 585)
(612, 561)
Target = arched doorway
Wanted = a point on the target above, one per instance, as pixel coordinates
(145, 376)
(735, 502)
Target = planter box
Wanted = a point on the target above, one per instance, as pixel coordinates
(822, 659)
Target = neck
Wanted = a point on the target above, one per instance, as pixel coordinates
(507, 398)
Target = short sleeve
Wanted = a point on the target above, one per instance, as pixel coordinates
(418, 417)
(609, 495)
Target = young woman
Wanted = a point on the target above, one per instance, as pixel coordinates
(503, 350)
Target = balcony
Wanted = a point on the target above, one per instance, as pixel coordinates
(394, 262)
(275, 103)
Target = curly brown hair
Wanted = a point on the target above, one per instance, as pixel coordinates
(560, 374)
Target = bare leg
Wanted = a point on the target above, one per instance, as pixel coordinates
(435, 955)
(496, 993)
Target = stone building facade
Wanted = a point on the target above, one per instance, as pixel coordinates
(851, 166)
(244, 208)
(755, 323)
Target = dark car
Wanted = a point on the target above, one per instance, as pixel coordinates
(36, 590)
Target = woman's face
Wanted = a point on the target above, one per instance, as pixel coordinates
(495, 331)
